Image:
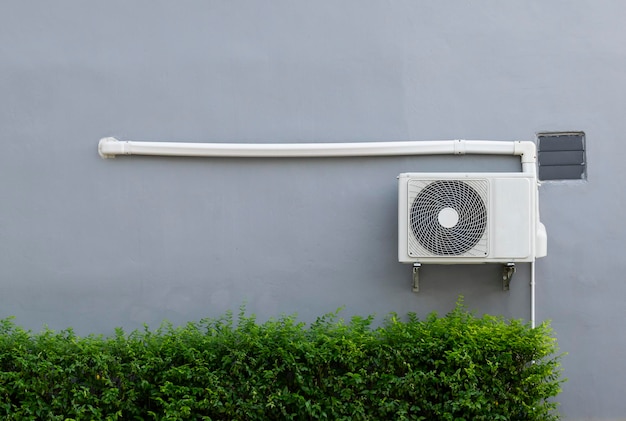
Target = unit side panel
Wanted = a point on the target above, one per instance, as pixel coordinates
(512, 223)
(403, 254)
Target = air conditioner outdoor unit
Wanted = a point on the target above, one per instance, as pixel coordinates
(448, 218)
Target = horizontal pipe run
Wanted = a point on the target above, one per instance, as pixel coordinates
(110, 147)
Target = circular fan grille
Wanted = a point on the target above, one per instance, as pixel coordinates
(448, 217)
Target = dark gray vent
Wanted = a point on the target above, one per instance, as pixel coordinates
(561, 155)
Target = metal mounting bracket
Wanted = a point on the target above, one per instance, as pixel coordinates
(416, 276)
(507, 274)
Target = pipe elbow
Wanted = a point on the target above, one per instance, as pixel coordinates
(527, 151)
(109, 147)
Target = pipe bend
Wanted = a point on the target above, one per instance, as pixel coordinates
(109, 147)
(527, 151)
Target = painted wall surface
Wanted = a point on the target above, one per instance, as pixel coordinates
(95, 244)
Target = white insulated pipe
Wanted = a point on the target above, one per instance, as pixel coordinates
(110, 147)
(532, 295)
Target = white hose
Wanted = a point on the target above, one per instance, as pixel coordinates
(109, 147)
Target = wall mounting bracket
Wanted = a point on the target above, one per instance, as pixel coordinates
(416, 276)
(508, 270)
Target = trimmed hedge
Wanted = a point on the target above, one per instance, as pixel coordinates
(457, 367)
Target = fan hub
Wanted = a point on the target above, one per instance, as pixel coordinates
(448, 217)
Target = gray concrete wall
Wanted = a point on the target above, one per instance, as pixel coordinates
(96, 244)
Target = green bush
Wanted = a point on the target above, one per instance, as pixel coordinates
(457, 367)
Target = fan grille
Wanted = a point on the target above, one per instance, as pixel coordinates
(448, 218)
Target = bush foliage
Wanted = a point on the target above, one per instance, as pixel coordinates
(457, 367)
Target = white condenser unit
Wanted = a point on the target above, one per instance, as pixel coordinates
(448, 218)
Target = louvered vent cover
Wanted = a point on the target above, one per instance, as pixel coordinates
(448, 218)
